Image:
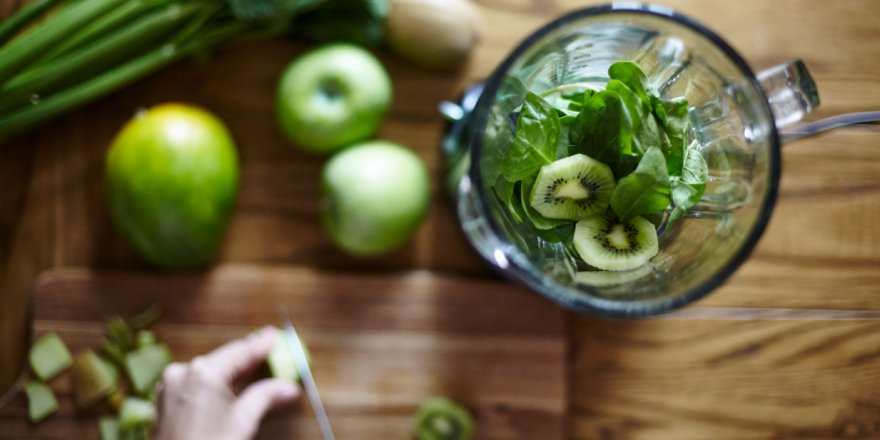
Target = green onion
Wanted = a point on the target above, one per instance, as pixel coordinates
(30, 46)
(103, 25)
(75, 96)
(47, 76)
(24, 16)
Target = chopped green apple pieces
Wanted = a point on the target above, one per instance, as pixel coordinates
(41, 401)
(145, 366)
(49, 356)
(93, 379)
(439, 418)
(280, 360)
(136, 419)
(109, 427)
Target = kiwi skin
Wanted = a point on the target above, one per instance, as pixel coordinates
(606, 243)
(434, 34)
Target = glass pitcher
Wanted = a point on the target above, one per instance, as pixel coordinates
(735, 119)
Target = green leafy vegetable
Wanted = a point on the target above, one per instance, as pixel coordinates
(537, 131)
(49, 356)
(640, 136)
(631, 74)
(271, 9)
(85, 49)
(644, 191)
(601, 132)
(687, 191)
(356, 21)
(41, 401)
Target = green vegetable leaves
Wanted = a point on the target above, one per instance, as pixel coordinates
(537, 131)
(644, 191)
(687, 190)
(355, 21)
(640, 136)
(270, 9)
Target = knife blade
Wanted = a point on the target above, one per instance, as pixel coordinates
(294, 344)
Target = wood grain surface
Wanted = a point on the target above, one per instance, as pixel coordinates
(813, 278)
(379, 344)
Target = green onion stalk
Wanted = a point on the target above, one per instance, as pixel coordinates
(57, 55)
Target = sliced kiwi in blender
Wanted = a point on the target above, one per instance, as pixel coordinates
(606, 278)
(607, 243)
(439, 418)
(572, 188)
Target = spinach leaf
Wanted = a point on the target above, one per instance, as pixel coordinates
(645, 190)
(630, 74)
(600, 131)
(672, 115)
(562, 143)
(687, 191)
(537, 131)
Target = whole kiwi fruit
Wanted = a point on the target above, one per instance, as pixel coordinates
(435, 34)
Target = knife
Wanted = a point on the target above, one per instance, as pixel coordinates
(302, 366)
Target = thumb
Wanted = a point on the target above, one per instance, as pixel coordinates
(261, 397)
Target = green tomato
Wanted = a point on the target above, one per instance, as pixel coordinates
(172, 180)
(375, 196)
(331, 97)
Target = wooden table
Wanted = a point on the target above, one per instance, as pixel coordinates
(788, 348)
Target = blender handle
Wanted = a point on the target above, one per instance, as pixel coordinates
(791, 93)
(813, 128)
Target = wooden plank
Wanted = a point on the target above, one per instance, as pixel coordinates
(735, 379)
(379, 343)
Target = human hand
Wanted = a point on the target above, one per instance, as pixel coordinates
(196, 400)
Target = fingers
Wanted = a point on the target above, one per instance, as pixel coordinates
(237, 357)
(259, 398)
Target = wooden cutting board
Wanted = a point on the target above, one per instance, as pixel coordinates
(380, 344)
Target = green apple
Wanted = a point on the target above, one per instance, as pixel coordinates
(172, 180)
(375, 196)
(331, 97)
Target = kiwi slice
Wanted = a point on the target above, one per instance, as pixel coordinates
(605, 278)
(607, 243)
(439, 418)
(572, 188)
